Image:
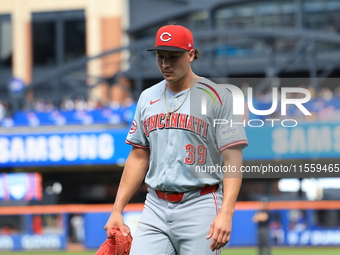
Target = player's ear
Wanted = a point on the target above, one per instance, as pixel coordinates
(191, 55)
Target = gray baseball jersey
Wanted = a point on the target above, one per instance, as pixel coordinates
(188, 141)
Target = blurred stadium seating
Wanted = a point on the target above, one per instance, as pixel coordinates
(119, 116)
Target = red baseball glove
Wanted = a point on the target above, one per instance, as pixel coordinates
(116, 244)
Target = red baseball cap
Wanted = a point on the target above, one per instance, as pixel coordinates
(173, 38)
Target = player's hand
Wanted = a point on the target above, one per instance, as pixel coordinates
(219, 232)
(116, 219)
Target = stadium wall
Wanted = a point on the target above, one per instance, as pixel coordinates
(284, 232)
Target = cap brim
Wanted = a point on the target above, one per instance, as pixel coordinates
(167, 48)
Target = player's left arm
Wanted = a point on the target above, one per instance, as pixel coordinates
(220, 228)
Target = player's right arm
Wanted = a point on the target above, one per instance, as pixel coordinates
(133, 174)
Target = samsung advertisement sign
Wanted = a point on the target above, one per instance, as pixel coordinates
(95, 147)
(314, 140)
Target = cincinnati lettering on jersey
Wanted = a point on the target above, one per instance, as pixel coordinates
(176, 121)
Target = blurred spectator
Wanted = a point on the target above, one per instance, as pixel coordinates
(326, 94)
(326, 114)
(39, 105)
(297, 220)
(49, 106)
(300, 222)
(92, 104)
(59, 222)
(80, 104)
(276, 231)
(77, 224)
(6, 230)
(37, 225)
(337, 93)
(67, 104)
(121, 94)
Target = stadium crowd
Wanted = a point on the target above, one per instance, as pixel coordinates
(324, 104)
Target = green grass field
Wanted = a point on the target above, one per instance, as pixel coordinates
(228, 251)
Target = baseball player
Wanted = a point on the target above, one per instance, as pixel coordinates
(177, 148)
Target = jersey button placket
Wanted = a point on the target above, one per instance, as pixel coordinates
(171, 175)
(170, 152)
(173, 150)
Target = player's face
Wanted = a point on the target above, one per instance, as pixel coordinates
(174, 64)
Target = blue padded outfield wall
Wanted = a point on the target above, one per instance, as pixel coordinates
(244, 234)
(97, 147)
(33, 242)
(283, 231)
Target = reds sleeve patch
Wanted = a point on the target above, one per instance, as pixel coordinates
(227, 132)
(133, 127)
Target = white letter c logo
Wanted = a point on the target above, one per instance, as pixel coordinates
(167, 39)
